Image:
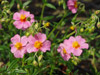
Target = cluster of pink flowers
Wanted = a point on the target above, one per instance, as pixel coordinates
(23, 19)
(72, 45)
(23, 45)
(72, 5)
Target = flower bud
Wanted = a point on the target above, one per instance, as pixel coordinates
(90, 30)
(35, 63)
(93, 28)
(98, 24)
(40, 57)
(18, 6)
(82, 29)
(3, 19)
(3, 2)
(8, 11)
(97, 11)
(36, 25)
(40, 63)
(63, 31)
(27, 34)
(74, 62)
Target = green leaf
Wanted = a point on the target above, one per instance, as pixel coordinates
(12, 3)
(26, 3)
(48, 17)
(3, 47)
(44, 1)
(74, 18)
(12, 65)
(64, 5)
(29, 59)
(20, 71)
(50, 5)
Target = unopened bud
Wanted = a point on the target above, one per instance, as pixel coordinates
(40, 57)
(63, 31)
(98, 24)
(27, 34)
(74, 62)
(82, 29)
(35, 63)
(3, 19)
(40, 63)
(3, 2)
(36, 25)
(93, 27)
(97, 11)
(8, 11)
(18, 6)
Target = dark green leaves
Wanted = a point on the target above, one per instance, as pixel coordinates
(50, 5)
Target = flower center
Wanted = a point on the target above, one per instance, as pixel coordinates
(38, 44)
(18, 45)
(75, 44)
(75, 4)
(23, 18)
(64, 51)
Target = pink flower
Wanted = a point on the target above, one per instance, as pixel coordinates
(0, 26)
(18, 46)
(23, 19)
(65, 53)
(72, 5)
(76, 44)
(38, 42)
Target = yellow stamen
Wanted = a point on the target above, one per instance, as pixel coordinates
(75, 4)
(64, 51)
(18, 45)
(38, 44)
(75, 45)
(23, 18)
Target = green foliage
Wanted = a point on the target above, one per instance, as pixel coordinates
(49, 63)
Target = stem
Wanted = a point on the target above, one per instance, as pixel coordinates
(67, 36)
(23, 62)
(56, 25)
(41, 17)
(93, 62)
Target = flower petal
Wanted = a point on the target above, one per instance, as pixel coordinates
(77, 52)
(16, 16)
(31, 39)
(13, 49)
(15, 39)
(18, 54)
(31, 48)
(84, 46)
(18, 24)
(41, 37)
(24, 40)
(46, 46)
(26, 13)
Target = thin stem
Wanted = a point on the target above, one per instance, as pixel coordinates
(93, 62)
(23, 61)
(67, 36)
(57, 25)
(42, 15)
